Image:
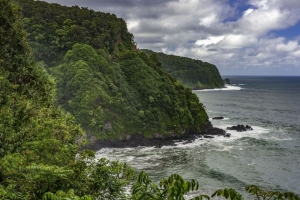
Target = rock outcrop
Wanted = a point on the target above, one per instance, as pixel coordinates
(136, 140)
(226, 81)
(240, 128)
(218, 118)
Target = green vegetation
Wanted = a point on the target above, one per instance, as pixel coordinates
(110, 88)
(133, 95)
(39, 149)
(191, 73)
(175, 187)
(53, 30)
(172, 188)
(39, 142)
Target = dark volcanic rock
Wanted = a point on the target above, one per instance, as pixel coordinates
(208, 136)
(227, 135)
(226, 81)
(218, 118)
(240, 128)
(208, 131)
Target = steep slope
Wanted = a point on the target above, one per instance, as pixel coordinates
(112, 89)
(39, 143)
(27, 94)
(194, 74)
(133, 95)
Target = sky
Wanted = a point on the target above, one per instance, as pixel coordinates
(241, 37)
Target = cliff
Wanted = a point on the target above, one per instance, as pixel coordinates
(194, 74)
(111, 89)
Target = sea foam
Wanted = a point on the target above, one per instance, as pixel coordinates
(227, 87)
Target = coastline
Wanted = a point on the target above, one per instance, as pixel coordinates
(137, 140)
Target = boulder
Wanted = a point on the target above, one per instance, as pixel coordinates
(240, 128)
(226, 81)
(249, 128)
(227, 135)
(218, 118)
(208, 136)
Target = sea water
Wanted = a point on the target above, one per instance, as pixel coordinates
(267, 156)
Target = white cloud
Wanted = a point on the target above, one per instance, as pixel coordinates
(290, 46)
(131, 24)
(207, 21)
(238, 41)
(262, 4)
(260, 22)
(210, 40)
(248, 12)
(296, 53)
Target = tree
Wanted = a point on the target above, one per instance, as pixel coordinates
(39, 143)
(172, 188)
(269, 194)
(54, 29)
(61, 195)
(175, 187)
(25, 87)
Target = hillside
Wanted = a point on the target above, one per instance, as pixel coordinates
(194, 74)
(39, 143)
(53, 30)
(110, 88)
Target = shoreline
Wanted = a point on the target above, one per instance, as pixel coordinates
(137, 140)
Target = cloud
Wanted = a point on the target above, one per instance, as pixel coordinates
(289, 47)
(210, 40)
(238, 41)
(237, 36)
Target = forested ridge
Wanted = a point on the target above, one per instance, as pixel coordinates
(111, 89)
(191, 73)
(53, 30)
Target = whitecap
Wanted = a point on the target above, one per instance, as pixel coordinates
(184, 144)
(280, 138)
(255, 133)
(227, 148)
(227, 87)
(144, 149)
(252, 163)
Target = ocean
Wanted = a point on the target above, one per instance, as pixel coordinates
(268, 156)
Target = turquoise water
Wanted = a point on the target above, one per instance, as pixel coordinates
(268, 156)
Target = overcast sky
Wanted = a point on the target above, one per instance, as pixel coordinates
(254, 37)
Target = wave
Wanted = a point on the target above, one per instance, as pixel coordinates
(227, 87)
(200, 141)
(257, 132)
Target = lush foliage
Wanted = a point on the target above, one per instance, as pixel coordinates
(27, 94)
(133, 95)
(54, 29)
(194, 74)
(175, 187)
(110, 88)
(39, 157)
(39, 142)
